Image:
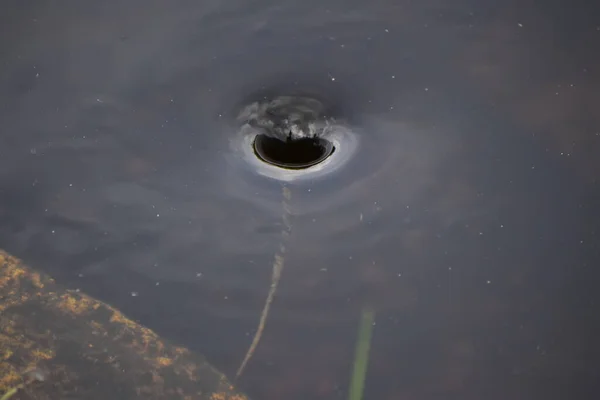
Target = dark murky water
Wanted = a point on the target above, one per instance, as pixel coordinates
(468, 215)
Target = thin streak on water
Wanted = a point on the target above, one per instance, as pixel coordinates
(276, 275)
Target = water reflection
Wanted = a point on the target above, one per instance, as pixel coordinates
(468, 221)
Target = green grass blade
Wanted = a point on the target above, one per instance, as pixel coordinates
(10, 393)
(361, 355)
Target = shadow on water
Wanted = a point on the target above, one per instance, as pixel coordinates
(467, 216)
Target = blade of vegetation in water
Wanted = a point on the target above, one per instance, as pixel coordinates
(11, 392)
(361, 355)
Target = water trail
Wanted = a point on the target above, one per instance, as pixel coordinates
(275, 276)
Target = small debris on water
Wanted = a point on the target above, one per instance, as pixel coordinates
(36, 374)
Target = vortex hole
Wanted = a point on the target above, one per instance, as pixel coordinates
(292, 153)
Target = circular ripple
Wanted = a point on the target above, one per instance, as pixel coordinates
(292, 119)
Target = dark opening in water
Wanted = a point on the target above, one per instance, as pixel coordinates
(292, 153)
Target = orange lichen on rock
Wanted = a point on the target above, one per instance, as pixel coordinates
(164, 361)
(225, 396)
(128, 326)
(76, 304)
(43, 354)
(97, 327)
(9, 378)
(42, 324)
(11, 271)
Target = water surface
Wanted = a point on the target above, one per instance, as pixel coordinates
(467, 216)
